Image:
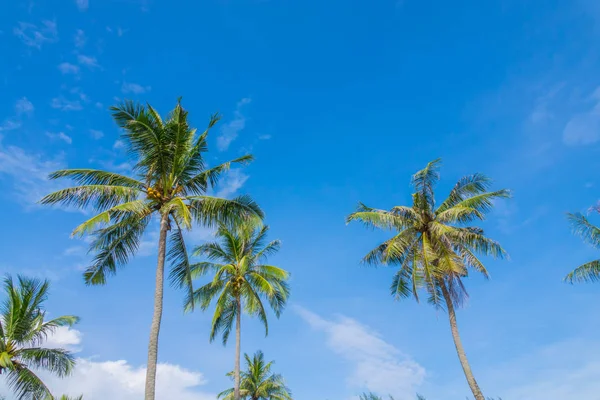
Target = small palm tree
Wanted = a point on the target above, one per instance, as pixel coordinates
(432, 246)
(171, 184)
(241, 280)
(258, 383)
(590, 271)
(23, 330)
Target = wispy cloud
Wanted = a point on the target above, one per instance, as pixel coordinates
(35, 36)
(584, 127)
(231, 183)
(80, 38)
(65, 105)
(88, 61)
(231, 130)
(128, 87)
(27, 173)
(10, 125)
(68, 68)
(264, 137)
(83, 5)
(377, 365)
(24, 106)
(96, 134)
(60, 136)
(118, 145)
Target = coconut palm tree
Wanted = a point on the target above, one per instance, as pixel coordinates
(257, 381)
(23, 330)
(241, 280)
(171, 182)
(433, 245)
(590, 271)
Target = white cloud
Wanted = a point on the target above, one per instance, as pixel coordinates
(377, 365)
(134, 88)
(65, 105)
(82, 4)
(75, 250)
(88, 61)
(231, 130)
(96, 134)
(584, 127)
(64, 338)
(264, 137)
(34, 36)
(28, 173)
(117, 380)
(231, 183)
(68, 68)
(60, 136)
(23, 106)
(80, 38)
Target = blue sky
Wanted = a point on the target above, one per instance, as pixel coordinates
(340, 102)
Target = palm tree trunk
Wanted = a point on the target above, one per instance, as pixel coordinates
(157, 315)
(462, 356)
(238, 338)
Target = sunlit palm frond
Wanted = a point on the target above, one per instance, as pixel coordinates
(588, 272)
(99, 197)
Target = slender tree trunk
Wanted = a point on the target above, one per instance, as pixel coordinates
(238, 338)
(157, 315)
(462, 356)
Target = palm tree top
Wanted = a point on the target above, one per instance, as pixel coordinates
(258, 382)
(432, 241)
(171, 177)
(237, 260)
(23, 331)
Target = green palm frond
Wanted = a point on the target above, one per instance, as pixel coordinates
(588, 272)
(97, 177)
(585, 229)
(180, 274)
(99, 197)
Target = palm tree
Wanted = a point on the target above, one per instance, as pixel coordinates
(23, 330)
(432, 246)
(258, 383)
(65, 397)
(171, 183)
(590, 271)
(240, 279)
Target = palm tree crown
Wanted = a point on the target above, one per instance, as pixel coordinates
(258, 382)
(432, 244)
(240, 277)
(172, 180)
(23, 330)
(590, 271)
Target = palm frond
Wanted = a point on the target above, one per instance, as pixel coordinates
(588, 272)
(99, 197)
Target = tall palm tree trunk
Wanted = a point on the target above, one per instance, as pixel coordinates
(238, 338)
(462, 356)
(157, 315)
